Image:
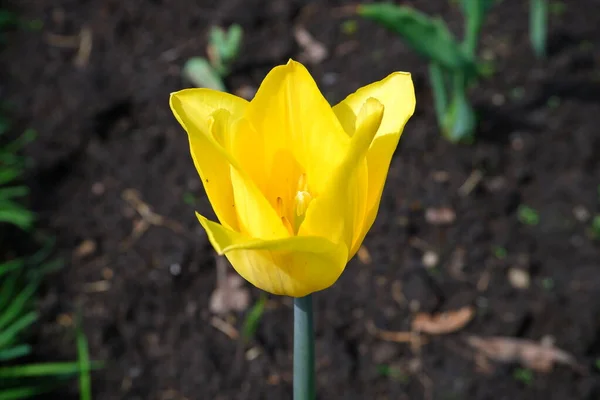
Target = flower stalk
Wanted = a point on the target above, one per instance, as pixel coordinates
(304, 349)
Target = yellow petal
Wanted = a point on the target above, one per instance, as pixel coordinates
(396, 93)
(195, 109)
(257, 218)
(294, 266)
(248, 147)
(292, 115)
(338, 213)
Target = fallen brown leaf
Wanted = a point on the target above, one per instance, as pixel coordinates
(394, 336)
(443, 323)
(537, 356)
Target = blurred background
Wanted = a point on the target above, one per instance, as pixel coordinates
(480, 278)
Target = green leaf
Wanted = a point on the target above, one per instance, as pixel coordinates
(538, 26)
(232, 44)
(459, 122)
(438, 85)
(528, 215)
(7, 19)
(475, 12)
(427, 36)
(199, 71)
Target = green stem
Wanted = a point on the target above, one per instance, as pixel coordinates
(304, 349)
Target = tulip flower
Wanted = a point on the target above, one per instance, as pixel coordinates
(294, 182)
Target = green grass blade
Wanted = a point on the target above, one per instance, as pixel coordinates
(41, 369)
(27, 137)
(31, 391)
(8, 174)
(7, 193)
(11, 214)
(85, 380)
(17, 305)
(7, 291)
(10, 266)
(253, 319)
(20, 393)
(8, 335)
(11, 353)
(43, 253)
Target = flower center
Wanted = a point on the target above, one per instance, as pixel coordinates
(293, 214)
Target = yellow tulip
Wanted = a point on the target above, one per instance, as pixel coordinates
(295, 183)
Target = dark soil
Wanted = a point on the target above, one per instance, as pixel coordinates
(105, 128)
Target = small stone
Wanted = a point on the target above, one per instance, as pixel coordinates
(384, 352)
(330, 78)
(581, 213)
(98, 188)
(440, 216)
(440, 176)
(498, 99)
(175, 269)
(517, 143)
(519, 278)
(430, 259)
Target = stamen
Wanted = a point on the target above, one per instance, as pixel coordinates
(302, 200)
(302, 183)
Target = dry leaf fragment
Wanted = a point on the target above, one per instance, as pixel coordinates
(230, 293)
(313, 52)
(85, 47)
(537, 356)
(364, 256)
(85, 248)
(225, 327)
(440, 216)
(443, 323)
